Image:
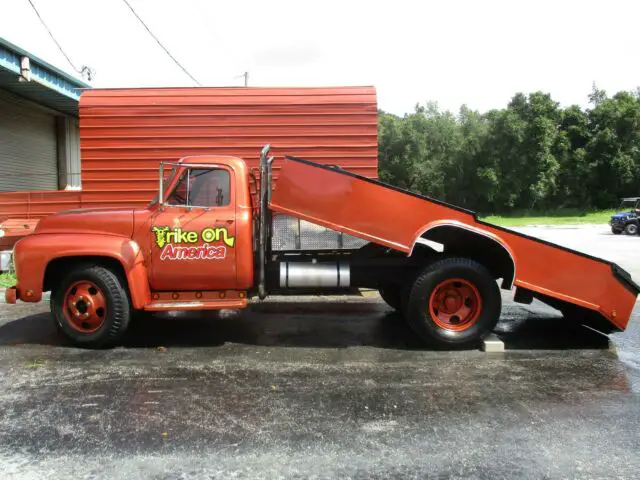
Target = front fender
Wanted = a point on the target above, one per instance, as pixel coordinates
(33, 253)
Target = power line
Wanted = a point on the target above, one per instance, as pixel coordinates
(160, 43)
(52, 37)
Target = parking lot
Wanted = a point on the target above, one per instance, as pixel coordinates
(324, 387)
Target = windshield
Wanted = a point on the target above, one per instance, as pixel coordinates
(165, 184)
(629, 204)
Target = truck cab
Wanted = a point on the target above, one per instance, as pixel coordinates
(204, 223)
(191, 248)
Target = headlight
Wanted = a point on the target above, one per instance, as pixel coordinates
(1, 233)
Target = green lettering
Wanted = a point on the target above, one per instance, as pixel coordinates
(209, 235)
(181, 236)
(225, 236)
(161, 235)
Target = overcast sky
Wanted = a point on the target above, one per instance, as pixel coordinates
(453, 52)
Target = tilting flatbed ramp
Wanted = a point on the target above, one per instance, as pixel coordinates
(399, 219)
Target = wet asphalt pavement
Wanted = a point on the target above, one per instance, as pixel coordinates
(331, 387)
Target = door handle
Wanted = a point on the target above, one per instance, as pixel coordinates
(221, 223)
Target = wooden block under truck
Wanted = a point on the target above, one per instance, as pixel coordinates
(205, 243)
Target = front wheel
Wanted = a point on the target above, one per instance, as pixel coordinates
(631, 229)
(616, 231)
(91, 307)
(454, 303)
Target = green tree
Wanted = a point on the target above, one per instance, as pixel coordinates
(614, 148)
(574, 173)
(532, 154)
(470, 180)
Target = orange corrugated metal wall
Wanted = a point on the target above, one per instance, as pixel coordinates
(37, 204)
(125, 133)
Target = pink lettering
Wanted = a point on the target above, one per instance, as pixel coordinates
(202, 252)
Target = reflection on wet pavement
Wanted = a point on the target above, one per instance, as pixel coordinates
(327, 389)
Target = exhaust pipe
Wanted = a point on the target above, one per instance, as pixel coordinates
(265, 177)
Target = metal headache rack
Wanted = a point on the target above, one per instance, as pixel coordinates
(290, 234)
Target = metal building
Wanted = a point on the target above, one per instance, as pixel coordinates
(126, 133)
(39, 133)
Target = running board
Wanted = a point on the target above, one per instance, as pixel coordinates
(167, 301)
(194, 305)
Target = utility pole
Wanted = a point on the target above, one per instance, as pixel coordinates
(246, 78)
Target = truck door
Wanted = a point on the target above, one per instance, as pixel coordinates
(193, 234)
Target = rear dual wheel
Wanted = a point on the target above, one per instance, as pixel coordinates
(453, 303)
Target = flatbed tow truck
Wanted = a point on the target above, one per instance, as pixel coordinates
(205, 243)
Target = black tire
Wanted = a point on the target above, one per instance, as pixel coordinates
(419, 315)
(118, 312)
(392, 295)
(616, 231)
(631, 229)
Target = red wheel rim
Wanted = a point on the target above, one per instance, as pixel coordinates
(455, 304)
(85, 306)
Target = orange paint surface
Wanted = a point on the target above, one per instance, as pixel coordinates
(393, 218)
(33, 254)
(14, 229)
(235, 270)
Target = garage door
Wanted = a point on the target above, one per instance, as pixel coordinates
(28, 153)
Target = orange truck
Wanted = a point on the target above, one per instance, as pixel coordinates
(206, 242)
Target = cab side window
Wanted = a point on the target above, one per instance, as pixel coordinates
(202, 188)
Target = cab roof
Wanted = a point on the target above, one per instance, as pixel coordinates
(206, 159)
